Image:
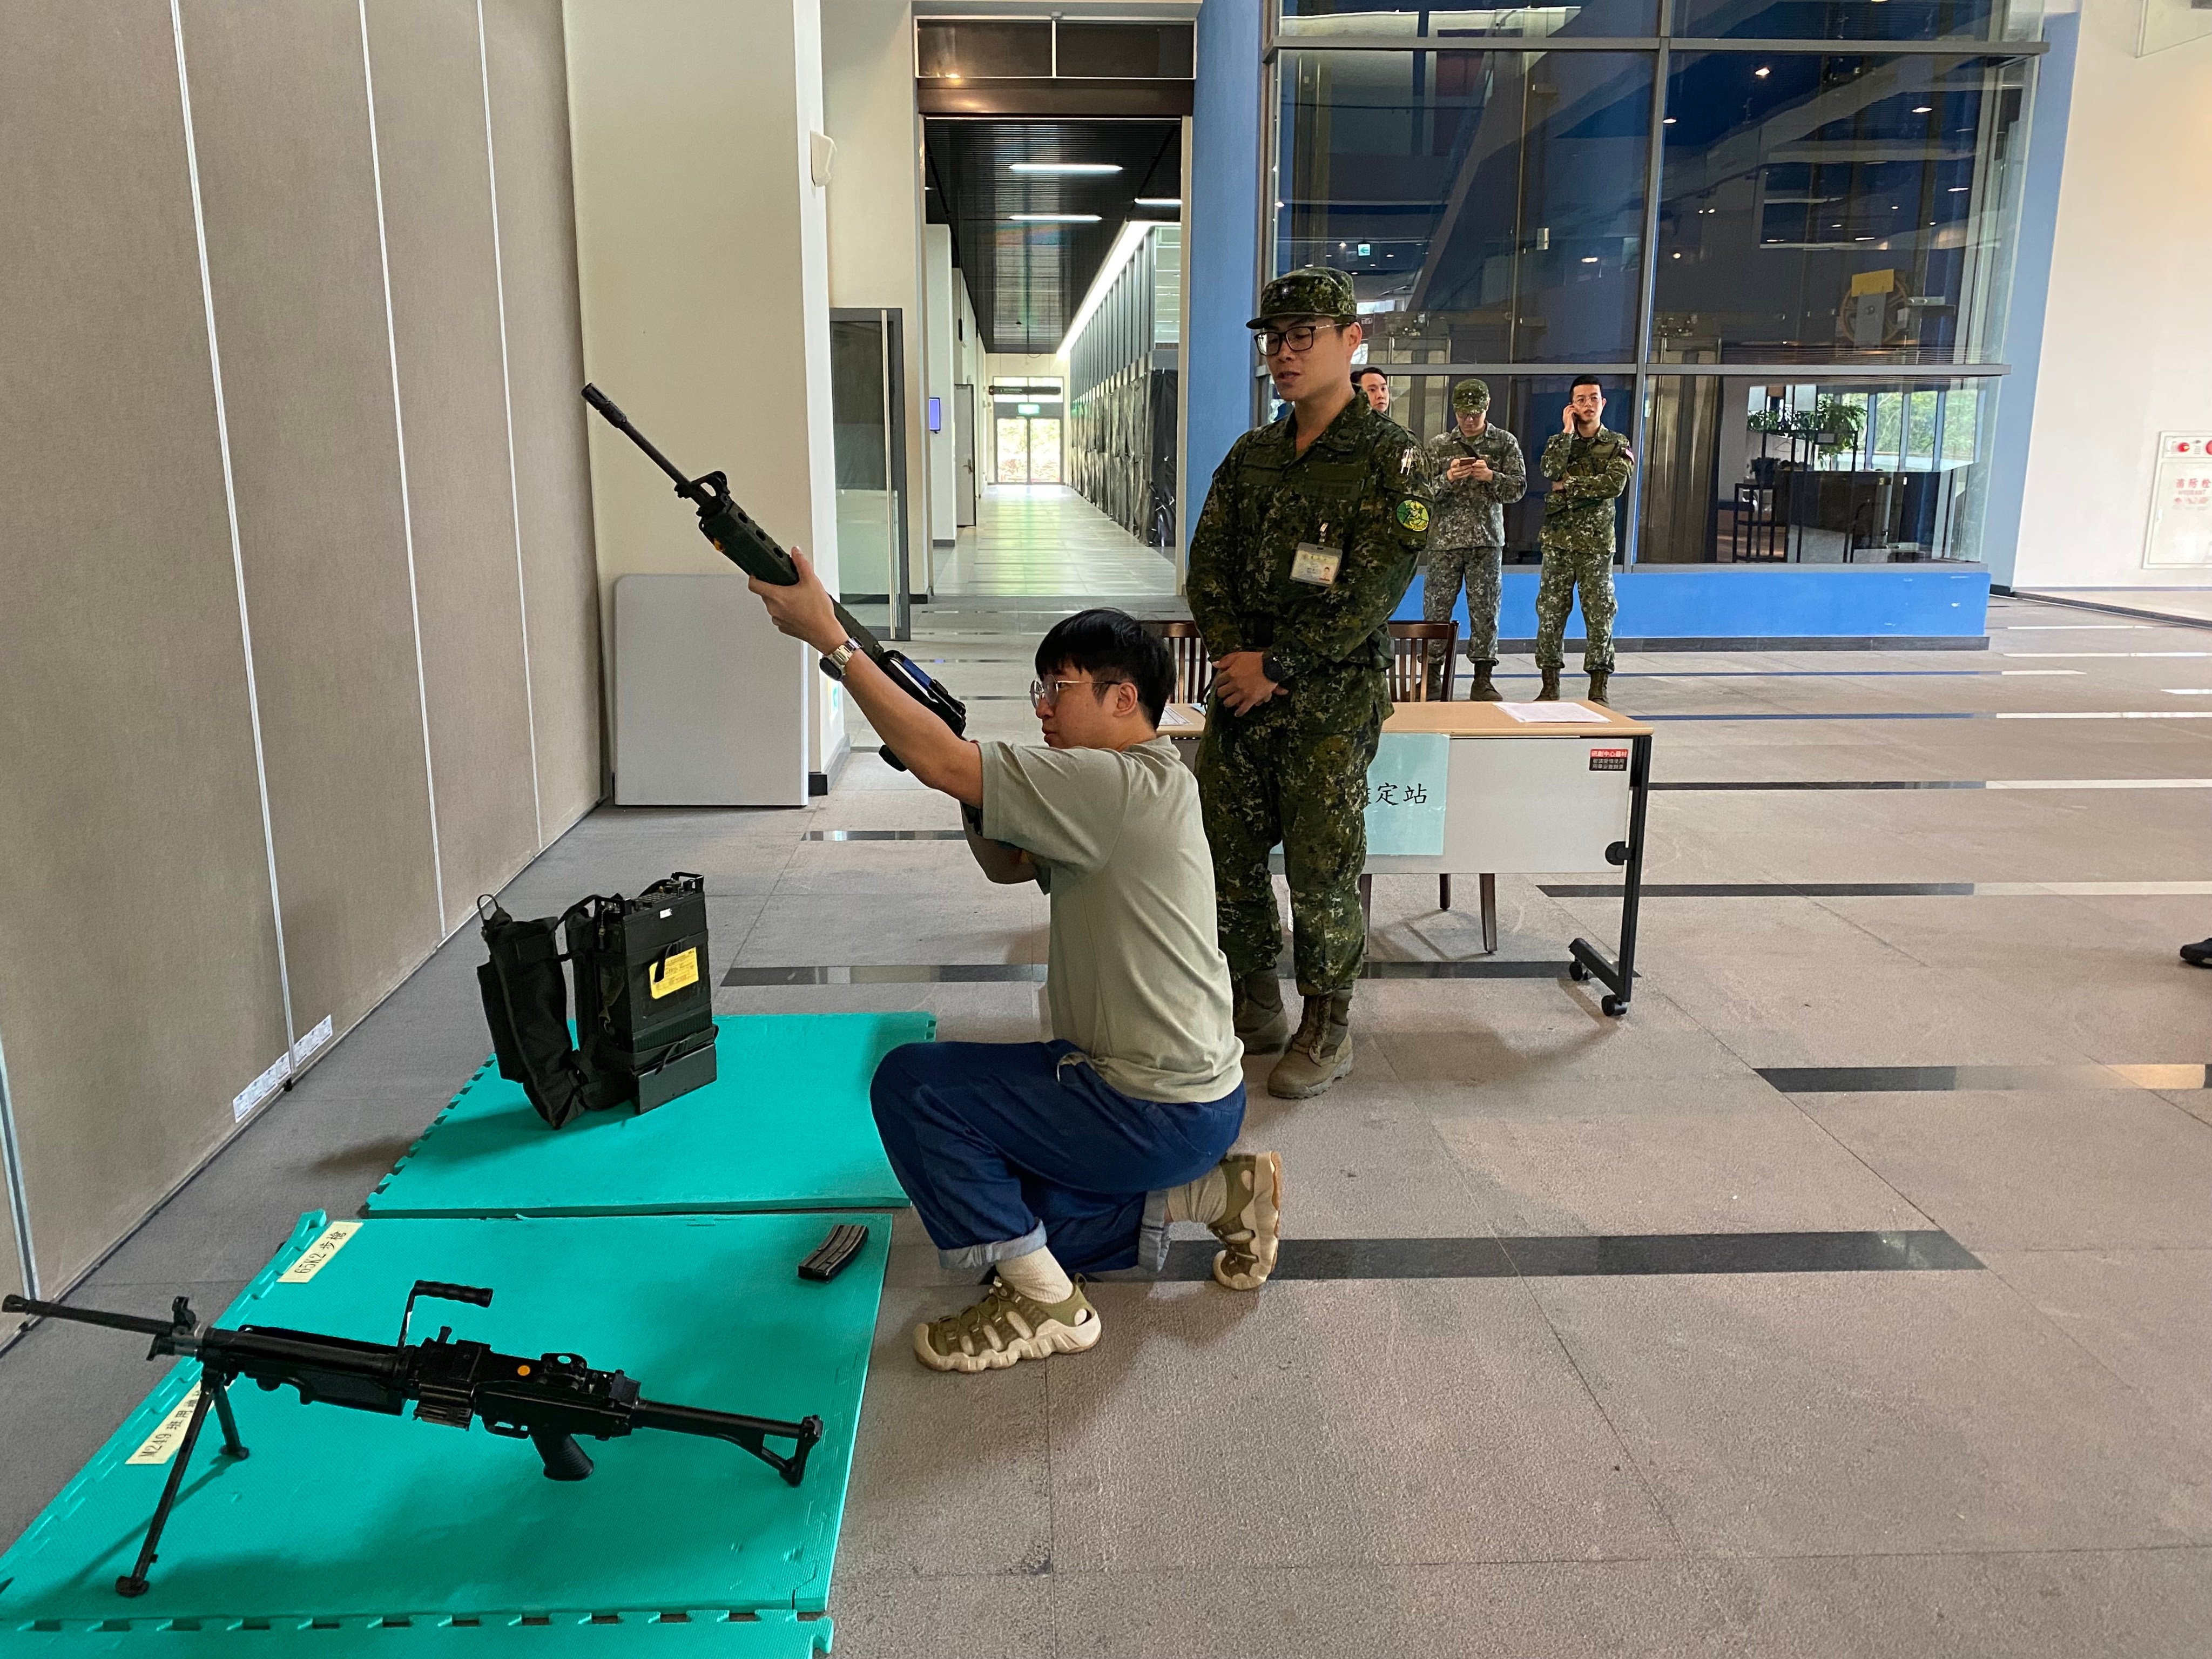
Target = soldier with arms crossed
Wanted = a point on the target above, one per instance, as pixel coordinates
(1589, 464)
(1478, 473)
(1308, 540)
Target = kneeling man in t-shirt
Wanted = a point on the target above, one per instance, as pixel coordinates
(1033, 1162)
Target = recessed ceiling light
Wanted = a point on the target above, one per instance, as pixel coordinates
(1589, 259)
(1922, 109)
(1955, 189)
(1861, 238)
(1762, 72)
(1668, 122)
(1053, 218)
(1065, 167)
(1159, 201)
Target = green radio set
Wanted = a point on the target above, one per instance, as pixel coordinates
(645, 1015)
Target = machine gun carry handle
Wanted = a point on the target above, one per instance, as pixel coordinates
(474, 1295)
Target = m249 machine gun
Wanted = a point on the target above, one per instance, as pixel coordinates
(739, 539)
(548, 1400)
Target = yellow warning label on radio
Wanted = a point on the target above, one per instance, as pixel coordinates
(679, 971)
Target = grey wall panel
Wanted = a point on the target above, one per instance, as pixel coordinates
(428, 82)
(138, 983)
(280, 98)
(528, 68)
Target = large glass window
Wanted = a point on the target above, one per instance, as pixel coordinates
(1532, 407)
(1488, 205)
(1318, 20)
(1751, 472)
(1839, 20)
(1835, 208)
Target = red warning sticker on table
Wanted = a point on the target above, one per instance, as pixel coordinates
(1608, 760)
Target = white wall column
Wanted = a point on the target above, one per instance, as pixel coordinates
(937, 356)
(703, 255)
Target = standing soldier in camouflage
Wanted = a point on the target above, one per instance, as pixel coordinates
(1589, 466)
(1478, 472)
(1307, 543)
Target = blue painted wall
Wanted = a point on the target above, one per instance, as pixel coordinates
(1222, 246)
(1797, 601)
(2037, 235)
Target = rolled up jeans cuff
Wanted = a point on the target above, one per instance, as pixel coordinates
(969, 1258)
(1153, 1234)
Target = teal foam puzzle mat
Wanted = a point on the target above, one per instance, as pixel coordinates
(358, 1519)
(704, 1635)
(786, 1125)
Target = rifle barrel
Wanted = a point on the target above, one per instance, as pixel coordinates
(620, 421)
(88, 1316)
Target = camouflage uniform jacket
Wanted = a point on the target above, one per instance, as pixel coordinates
(1472, 512)
(1579, 519)
(1362, 489)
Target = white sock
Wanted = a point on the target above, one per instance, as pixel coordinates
(1037, 1276)
(1205, 1200)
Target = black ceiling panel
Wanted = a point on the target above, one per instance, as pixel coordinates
(1027, 278)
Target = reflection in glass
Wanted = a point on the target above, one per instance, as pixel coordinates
(1838, 20)
(1315, 20)
(869, 521)
(1836, 209)
(1488, 205)
(1739, 471)
(1529, 406)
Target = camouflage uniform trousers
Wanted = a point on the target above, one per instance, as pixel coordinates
(1308, 791)
(1445, 569)
(1564, 572)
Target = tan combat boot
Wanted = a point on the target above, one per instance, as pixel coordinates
(1262, 1025)
(1598, 677)
(1482, 690)
(1319, 1054)
(1551, 691)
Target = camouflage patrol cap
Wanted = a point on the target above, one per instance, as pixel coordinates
(1470, 398)
(1309, 291)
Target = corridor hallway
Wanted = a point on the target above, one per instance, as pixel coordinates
(1035, 540)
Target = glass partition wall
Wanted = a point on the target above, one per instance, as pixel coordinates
(1778, 231)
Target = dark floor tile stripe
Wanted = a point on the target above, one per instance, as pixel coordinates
(1766, 889)
(1892, 714)
(1624, 1255)
(1869, 783)
(981, 973)
(1929, 1079)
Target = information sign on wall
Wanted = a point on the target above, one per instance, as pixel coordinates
(2180, 532)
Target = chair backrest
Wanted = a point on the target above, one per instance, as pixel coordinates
(1193, 669)
(1411, 645)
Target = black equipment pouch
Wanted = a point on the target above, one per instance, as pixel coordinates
(645, 1013)
(525, 998)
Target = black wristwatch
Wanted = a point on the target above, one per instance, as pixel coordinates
(1272, 666)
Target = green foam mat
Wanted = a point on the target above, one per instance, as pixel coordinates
(570, 1636)
(786, 1125)
(356, 1519)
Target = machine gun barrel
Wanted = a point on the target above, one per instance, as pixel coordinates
(113, 1321)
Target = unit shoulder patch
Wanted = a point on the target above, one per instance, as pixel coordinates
(1414, 515)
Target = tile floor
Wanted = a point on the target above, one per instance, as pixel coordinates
(2011, 1459)
(1031, 539)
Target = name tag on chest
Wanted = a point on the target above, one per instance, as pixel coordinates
(1316, 567)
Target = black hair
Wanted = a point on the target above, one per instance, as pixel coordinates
(1365, 369)
(1111, 646)
(1586, 380)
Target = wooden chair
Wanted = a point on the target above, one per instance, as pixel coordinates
(1194, 670)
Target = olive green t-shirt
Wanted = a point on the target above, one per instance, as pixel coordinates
(1136, 978)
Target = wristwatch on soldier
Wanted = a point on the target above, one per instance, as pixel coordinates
(833, 663)
(1275, 669)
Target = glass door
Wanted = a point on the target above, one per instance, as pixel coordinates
(867, 400)
(1029, 449)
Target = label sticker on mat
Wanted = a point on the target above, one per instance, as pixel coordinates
(679, 971)
(317, 1256)
(1608, 760)
(161, 1445)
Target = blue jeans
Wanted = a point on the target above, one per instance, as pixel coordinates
(1006, 1146)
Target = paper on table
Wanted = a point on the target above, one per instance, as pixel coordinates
(1173, 716)
(1542, 714)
